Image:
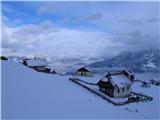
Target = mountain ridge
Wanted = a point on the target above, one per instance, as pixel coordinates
(140, 61)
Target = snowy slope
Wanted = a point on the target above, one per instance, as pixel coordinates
(27, 94)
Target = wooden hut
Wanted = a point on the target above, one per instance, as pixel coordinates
(83, 71)
(115, 85)
(37, 64)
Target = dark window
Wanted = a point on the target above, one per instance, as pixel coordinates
(128, 88)
(123, 89)
(118, 90)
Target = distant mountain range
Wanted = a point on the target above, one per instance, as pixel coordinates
(141, 61)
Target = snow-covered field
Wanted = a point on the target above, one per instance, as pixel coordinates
(27, 94)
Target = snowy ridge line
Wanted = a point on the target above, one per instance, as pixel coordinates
(98, 94)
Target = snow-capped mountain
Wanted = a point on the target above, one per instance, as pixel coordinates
(141, 61)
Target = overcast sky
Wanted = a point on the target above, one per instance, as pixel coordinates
(79, 29)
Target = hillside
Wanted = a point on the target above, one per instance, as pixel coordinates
(27, 94)
(141, 61)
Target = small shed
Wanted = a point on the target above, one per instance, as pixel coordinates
(83, 71)
(115, 85)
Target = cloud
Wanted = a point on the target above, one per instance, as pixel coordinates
(85, 18)
(131, 22)
(46, 39)
(96, 16)
(45, 9)
(80, 28)
(135, 40)
(4, 18)
(152, 20)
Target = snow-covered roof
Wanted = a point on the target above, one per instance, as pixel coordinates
(36, 62)
(120, 80)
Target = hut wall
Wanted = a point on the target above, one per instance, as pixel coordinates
(123, 92)
(84, 73)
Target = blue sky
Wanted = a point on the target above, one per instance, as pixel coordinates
(91, 28)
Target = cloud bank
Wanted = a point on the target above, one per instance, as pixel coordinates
(78, 29)
(46, 39)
